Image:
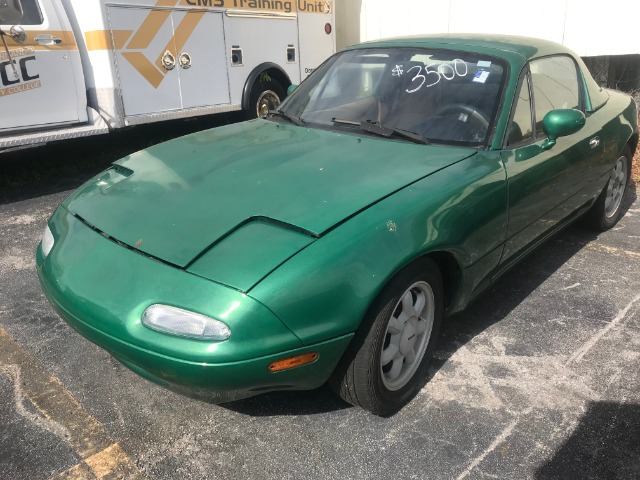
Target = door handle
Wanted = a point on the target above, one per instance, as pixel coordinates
(168, 61)
(47, 40)
(594, 142)
(184, 60)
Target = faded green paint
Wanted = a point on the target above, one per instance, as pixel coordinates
(287, 233)
(189, 193)
(109, 287)
(249, 254)
(461, 210)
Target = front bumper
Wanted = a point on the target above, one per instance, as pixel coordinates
(101, 289)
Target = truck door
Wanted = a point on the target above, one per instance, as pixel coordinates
(49, 88)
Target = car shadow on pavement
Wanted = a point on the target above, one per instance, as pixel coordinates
(508, 292)
(515, 286)
(492, 307)
(604, 445)
(309, 402)
(65, 165)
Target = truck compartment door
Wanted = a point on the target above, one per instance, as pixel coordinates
(173, 59)
(260, 37)
(317, 35)
(201, 58)
(147, 65)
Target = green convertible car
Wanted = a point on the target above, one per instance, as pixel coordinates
(326, 241)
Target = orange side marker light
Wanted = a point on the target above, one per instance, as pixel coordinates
(292, 362)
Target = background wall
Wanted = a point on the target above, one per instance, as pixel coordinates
(604, 33)
(588, 27)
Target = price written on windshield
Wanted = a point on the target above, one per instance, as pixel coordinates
(433, 73)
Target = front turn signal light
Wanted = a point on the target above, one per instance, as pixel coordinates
(292, 362)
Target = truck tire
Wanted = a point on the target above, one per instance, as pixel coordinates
(266, 94)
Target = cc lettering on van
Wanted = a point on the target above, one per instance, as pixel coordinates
(22, 75)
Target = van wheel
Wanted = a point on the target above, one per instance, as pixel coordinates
(387, 362)
(266, 94)
(607, 210)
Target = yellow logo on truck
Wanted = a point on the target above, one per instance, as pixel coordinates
(154, 70)
(24, 75)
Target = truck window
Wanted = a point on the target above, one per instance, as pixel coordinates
(31, 13)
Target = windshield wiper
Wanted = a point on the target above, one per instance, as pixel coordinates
(346, 122)
(292, 118)
(387, 132)
(377, 129)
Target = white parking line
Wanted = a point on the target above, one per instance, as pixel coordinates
(589, 344)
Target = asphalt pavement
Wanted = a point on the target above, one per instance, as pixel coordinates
(539, 379)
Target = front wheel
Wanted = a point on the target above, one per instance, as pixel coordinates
(607, 209)
(387, 362)
(266, 94)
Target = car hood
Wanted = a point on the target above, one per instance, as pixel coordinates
(175, 200)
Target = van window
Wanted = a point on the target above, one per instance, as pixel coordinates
(32, 14)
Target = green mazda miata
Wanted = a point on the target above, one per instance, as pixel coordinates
(327, 241)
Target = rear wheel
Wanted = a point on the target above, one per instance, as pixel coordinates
(607, 210)
(266, 94)
(387, 362)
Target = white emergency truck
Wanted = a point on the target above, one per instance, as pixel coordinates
(71, 68)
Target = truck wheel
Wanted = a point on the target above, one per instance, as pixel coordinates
(266, 94)
(607, 210)
(387, 362)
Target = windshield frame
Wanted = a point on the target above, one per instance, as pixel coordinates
(315, 79)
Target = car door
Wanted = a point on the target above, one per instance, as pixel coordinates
(49, 88)
(545, 185)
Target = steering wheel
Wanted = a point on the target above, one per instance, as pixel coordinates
(462, 108)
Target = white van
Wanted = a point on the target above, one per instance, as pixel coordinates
(71, 68)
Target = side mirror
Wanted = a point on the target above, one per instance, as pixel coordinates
(18, 34)
(290, 90)
(560, 123)
(10, 12)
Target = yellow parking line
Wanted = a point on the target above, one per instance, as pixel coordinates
(101, 456)
(108, 460)
(112, 462)
(613, 250)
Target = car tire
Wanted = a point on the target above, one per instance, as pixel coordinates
(266, 94)
(387, 362)
(607, 209)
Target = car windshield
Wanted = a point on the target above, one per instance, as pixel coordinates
(413, 94)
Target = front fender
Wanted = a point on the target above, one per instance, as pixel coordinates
(325, 290)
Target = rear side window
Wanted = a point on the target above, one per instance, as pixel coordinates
(555, 85)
